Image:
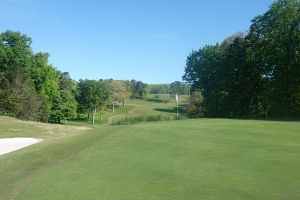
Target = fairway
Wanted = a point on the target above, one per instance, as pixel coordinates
(150, 100)
(198, 159)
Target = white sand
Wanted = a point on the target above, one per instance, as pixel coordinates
(11, 144)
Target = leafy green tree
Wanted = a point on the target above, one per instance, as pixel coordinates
(138, 89)
(92, 95)
(66, 82)
(204, 70)
(47, 87)
(18, 98)
(255, 74)
(46, 78)
(196, 103)
(244, 83)
(15, 50)
(275, 40)
(64, 107)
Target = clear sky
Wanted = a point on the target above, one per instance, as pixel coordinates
(146, 40)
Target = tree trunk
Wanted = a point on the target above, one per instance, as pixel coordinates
(94, 115)
(113, 107)
(123, 103)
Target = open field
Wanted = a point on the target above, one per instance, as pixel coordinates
(199, 159)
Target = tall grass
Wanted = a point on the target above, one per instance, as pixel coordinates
(140, 119)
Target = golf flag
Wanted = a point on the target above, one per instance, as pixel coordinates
(176, 98)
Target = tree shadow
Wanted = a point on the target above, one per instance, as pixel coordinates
(157, 101)
(166, 110)
(181, 108)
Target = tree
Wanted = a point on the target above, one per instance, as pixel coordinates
(244, 83)
(18, 95)
(28, 77)
(18, 98)
(138, 89)
(66, 82)
(196, 102)
(159, 88)
(64, 107)
(41, 78)
(15, 50)
(92, 95)
(204, 70)
(118, 92)
(255, 74)
(275, 39)
(178, 87)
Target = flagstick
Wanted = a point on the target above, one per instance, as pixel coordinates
(177, 115)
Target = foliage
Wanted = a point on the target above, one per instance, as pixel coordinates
(275, 36)
(159, 88)
(92, 95)
(138, 89)
(204, 70)
(64, 107)
(18, 98)
(15, 50)
(180, 88)
(118, 92)
(196, 103)
(31, 88)
(254, 74)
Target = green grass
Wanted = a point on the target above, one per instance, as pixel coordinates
(163, 105)
(196, 159)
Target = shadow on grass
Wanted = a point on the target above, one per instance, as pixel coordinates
(181, 109)
(157, 100)
(166, 110)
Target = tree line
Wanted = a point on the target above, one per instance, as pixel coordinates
(255, 74)
(175, 87)
(33, 89)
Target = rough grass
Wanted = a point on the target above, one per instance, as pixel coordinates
(140, 119)
(196, 159)
(10, 127)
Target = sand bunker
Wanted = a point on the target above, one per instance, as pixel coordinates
(11, 144)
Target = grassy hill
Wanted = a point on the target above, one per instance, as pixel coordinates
(162, 105)
(196, 159)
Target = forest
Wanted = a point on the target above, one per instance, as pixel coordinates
(252, 74)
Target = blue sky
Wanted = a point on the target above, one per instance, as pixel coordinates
(146, 40)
